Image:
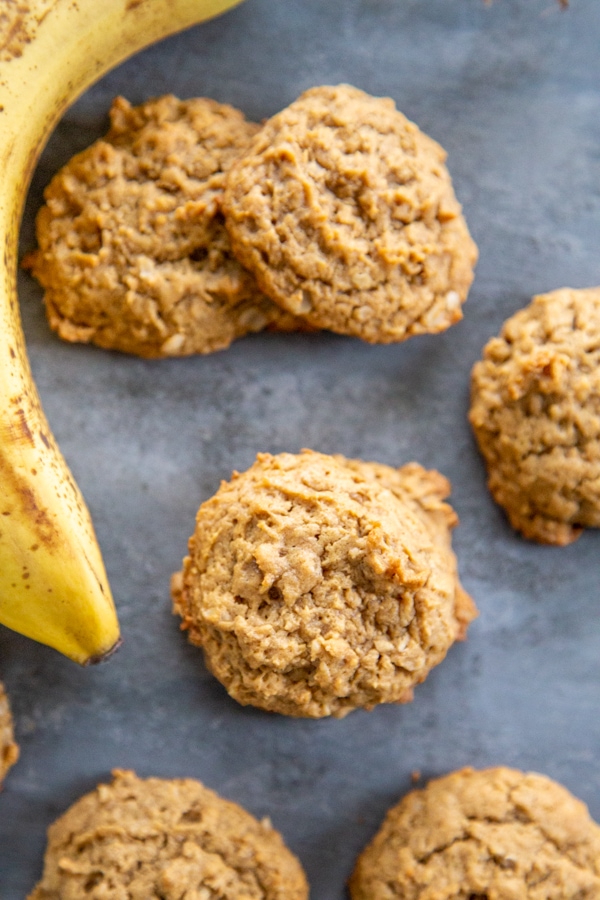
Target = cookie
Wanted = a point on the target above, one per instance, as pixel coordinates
(497, 834)
(133, 253)
(316, 585)
(9, 751)
(535, 411)
(345, 213)
(142, 838)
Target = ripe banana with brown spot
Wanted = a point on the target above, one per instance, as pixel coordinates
(53, 585)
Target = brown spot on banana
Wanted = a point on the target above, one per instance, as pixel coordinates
(18, 24)
(25, 431)
(26, 504)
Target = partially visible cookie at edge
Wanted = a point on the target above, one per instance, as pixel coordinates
(316, 585)
(133, 253)
(345, 213)
(493, 833)
(9, 751)
(168, 838)
(535, 411)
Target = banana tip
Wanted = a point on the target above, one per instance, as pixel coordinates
(102, 657)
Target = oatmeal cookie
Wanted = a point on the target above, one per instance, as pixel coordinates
(9, 751)
(317, 584)
(497, 834)
(345, 213)
(142, 838)
(133, 253)
(535, 410)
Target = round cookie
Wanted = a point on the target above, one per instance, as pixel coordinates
(535, 411)
(495, 834)
(316, 585)
(9, 751)
(133, 253)
(345, 213)
(143, 838)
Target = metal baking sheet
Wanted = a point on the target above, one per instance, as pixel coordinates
(512, 91)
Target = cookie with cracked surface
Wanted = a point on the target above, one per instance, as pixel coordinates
(133, 253)
(345, 213)
(9, 751)
(493, 834)
(142, 838)
(535, 411)
(316, 584)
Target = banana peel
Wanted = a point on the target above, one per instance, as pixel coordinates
(53, 584)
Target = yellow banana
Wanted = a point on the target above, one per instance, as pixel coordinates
(53, 586)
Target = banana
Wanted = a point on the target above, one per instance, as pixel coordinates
(53, 584)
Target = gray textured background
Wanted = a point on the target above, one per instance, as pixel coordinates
(512, 91)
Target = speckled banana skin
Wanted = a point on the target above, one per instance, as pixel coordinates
(53, 586)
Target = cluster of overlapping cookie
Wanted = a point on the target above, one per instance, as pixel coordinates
(317, 584)
(187, 227)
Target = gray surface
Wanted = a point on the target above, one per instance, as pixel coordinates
(512, 91)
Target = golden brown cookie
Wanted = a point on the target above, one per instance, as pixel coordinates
(317, 584)
(345, 213)
(495, 834)
(133, 253)
(535, 410)
(171, 839)
(9, 751)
